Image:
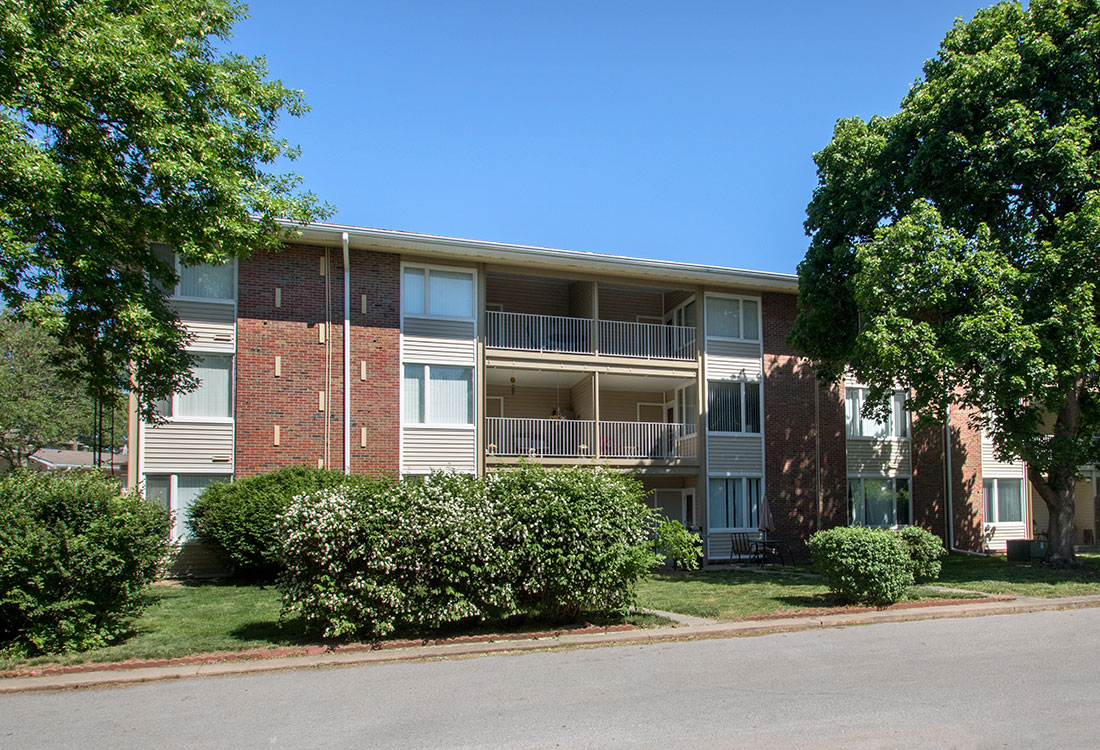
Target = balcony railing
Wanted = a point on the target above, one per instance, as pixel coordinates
(576, 438)
(553, 333)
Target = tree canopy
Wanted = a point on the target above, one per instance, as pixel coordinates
(123, 123)
(955, 245)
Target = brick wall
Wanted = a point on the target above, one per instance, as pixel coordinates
(791, 423)
(929, 498)
(291, 332)
(966, 481)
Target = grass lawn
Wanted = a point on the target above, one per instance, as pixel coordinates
(737, 595)
(185, 619)
(995, 575)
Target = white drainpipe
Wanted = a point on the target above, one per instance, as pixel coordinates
(347, 356)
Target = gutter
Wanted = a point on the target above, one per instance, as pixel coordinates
(347, 355)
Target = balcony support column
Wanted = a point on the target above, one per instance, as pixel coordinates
(595, 317)
(596, 410)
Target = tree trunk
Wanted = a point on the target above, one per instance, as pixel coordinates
(1057, 490)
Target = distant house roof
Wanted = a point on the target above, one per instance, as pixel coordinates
(54, 458)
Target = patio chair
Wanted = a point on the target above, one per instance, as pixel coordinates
(744, 545)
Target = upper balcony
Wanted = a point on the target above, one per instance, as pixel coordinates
(557, 316)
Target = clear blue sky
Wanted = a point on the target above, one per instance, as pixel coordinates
(672, 130)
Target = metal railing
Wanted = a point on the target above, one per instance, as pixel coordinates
(554, 333)
(540, 438)
(647, 440)
(576, 438)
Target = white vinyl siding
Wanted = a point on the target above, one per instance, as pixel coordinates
(733, 360)
(188, 446)
(444, 341)
(885, 457)
(429, 448)
(735, 454)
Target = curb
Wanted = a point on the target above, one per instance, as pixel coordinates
(321, 657)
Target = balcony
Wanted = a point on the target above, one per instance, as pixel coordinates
(565, 335)
(510, 437)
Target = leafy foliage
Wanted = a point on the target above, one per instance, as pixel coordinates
(955, 245)
(674, 542)
(238, 518)
(925, 550)
(75, 556)
(122, 123)
(861, 565)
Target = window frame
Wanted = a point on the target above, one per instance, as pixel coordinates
(743, 388)
(426, 369)
(997, 500)
(427, 268)
(740, 299)
(893, 480)
(743, 480)
(177, 266)
(897, 425)
(178, 532)
(174, 401)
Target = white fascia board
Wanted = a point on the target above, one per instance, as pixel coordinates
(551, 259)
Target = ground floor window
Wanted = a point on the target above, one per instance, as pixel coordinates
(1004, 500)
(176, 492)
(879, 502)
(733, 503)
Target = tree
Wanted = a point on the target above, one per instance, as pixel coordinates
(955, 245)
(39, 407)
(123, 124)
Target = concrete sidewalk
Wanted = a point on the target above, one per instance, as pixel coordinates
(320, 658)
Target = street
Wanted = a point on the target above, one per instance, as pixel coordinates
(984, 682)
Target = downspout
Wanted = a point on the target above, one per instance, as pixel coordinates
(347, 357)
(951, 495)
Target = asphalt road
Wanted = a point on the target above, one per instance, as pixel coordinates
(1018, 681)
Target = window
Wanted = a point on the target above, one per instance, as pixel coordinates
(438, 293)
(731, 318)
(879, 503)
(856, 425)
(733, 406)
(733, 503)
(1004, 501)
(158, 488)
(438, 394)
(212, 399)
(201, 280)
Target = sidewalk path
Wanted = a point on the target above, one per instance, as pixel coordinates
(318, 658)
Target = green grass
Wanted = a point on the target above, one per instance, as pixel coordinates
(736, 595)
(995, 575)
(186, 619)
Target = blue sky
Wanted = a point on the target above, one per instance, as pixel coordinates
(675, 130)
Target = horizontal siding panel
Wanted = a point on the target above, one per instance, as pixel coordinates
(443, 341)
(212, 326)
(998, 534)
(189, 446)
(879, 457)
(532, 296)
(204, 312)
(616, 303)
(719, 546)
(733, 359)
(423, 450)
(992, 468)
(741, 454)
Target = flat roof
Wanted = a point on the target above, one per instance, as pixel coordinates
(550, 259)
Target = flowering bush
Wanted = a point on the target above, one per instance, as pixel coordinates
(75, 556)
(579, 539)
(368, 558)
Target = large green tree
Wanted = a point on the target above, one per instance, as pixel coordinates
(122, 122)
(955, 245)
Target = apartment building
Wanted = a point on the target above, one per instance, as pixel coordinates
(368, 350)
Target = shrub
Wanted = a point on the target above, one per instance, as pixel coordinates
(238, 518)
(578, 538)
(369, 558)
(925, 550)
(674, 542)
(75, 555)
(862, 566)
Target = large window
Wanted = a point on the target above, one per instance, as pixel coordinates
(438, 394)
(733, 503)
(213, 398)
(438, 293)
(178, 499)
(880, 503)
(731, 318)
(202, 280)
(1004, 500)
(856, 425)
(733, 406)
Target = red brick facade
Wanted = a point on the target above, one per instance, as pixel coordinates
(310, 366)
(803, 433)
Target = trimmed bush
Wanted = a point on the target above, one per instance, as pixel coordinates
(237, 519)
(862, 566)
(75, 555)
(675, 543)
(925, 550)
(369, 558)
(579, 538)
